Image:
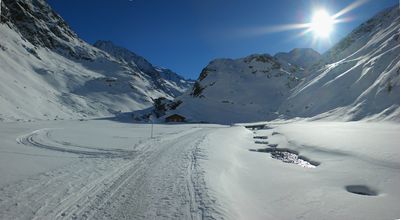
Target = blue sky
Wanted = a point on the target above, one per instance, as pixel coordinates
(186, 35)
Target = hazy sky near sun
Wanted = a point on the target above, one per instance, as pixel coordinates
(185, 35)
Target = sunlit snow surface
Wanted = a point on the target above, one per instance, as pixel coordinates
(107, 169)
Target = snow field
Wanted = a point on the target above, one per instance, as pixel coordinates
(102, 169)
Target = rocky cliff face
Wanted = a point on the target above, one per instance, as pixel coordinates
(42, 27)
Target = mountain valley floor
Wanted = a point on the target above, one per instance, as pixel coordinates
(105, 169)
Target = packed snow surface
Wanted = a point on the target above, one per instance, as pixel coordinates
(113, 169)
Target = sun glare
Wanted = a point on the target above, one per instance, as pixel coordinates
(319, 26)
(322, 24)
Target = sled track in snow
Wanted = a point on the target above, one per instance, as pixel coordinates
(160, 178)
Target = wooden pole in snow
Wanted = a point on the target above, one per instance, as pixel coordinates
(152, 128)
(152, 125)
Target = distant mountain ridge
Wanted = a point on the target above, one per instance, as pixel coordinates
(48, 72)
(135, 61)
(172, 83)
(303, 57)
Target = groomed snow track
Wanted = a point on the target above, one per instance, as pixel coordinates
(158, 179)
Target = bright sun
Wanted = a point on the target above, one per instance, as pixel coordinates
(322, 24)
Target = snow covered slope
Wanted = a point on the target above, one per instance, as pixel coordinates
(303, 57)
(48, 72)
(246, 89)
(357, 78)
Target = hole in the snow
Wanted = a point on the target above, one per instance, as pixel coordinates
(256, 127)
(273, 145)
(288, 156)
(275, 133)
(361, 190)
(261, 142)
(260, 137)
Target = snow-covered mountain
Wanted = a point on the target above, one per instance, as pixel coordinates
(241, 90)
(175, 81)
(358, 78)
(48, 72)
(303, 57)
(172, 83)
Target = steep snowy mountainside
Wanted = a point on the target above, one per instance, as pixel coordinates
(48, 72)
(167, 80)
(241, 90)
(303, 57)
(358, 78)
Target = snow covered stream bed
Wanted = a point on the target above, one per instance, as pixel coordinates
(103, 169)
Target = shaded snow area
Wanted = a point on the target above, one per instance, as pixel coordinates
(103, 169)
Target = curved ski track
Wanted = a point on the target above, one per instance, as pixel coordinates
(158, 179)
